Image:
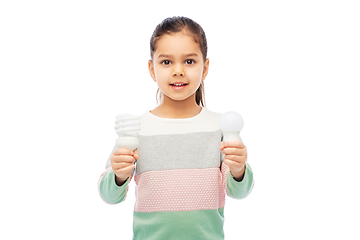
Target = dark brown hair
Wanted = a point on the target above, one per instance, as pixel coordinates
(174, 25)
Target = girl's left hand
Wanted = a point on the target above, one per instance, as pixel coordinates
(235, 157)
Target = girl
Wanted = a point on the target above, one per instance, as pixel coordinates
(183, 169)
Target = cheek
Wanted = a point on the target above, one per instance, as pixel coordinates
(161, 77)
(161, 74)
(196, 73)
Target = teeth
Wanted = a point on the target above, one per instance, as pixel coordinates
(179, 85)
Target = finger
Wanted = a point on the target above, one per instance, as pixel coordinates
(234, 151)
(125, 170)
(235, 158)
(236, 144)
(117, 166)
(122, 151)
(136, 154)
(222, 145)
(233, 164)
(121, 165)
(123, 158)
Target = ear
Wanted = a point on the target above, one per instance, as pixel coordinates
(151, 70)
(205, 70)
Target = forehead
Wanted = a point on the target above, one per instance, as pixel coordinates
(176, 44)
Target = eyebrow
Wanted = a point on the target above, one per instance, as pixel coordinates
(191, 55)
(185, 55)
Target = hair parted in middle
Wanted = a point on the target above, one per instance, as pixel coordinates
(177, 24)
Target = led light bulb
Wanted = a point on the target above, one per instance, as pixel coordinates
(127, 127)
(231, 124)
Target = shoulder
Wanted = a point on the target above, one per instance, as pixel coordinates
(209, 120)
(210, 114)
(208, 111)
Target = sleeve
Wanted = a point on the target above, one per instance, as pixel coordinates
(109, 191)
(235, 189)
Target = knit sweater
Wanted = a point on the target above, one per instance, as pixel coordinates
(181, 180)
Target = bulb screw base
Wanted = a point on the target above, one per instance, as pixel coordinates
(231, 136)
(130, 143)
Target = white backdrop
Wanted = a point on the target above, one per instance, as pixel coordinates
(291, 68)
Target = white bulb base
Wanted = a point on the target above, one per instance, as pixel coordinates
(130, 143)
(231, 136)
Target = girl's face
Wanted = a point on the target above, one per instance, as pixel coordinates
(178, 66)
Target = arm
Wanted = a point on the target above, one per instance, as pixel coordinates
(235, 189)
(113, 183)
(237, 174)
(109, 191)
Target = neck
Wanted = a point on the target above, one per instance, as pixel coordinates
(178, 109)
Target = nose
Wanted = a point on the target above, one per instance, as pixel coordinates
(178, 71)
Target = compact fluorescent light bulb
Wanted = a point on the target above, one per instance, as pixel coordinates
(127, 127)
(231, 124)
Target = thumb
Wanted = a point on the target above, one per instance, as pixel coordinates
(222, 145)
(136, 154)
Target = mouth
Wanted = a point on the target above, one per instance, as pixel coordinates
(178, 85)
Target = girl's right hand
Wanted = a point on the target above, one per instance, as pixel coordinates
(122, 163)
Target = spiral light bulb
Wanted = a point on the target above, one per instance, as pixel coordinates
(231, 124)
(127, 127)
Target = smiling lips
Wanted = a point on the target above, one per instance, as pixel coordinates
(178, 85)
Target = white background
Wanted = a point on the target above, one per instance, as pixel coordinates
(291, 68)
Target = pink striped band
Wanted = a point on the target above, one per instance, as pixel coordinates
(179, 190)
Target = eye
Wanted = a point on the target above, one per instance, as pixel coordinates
(166, 62)
(190, 61)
